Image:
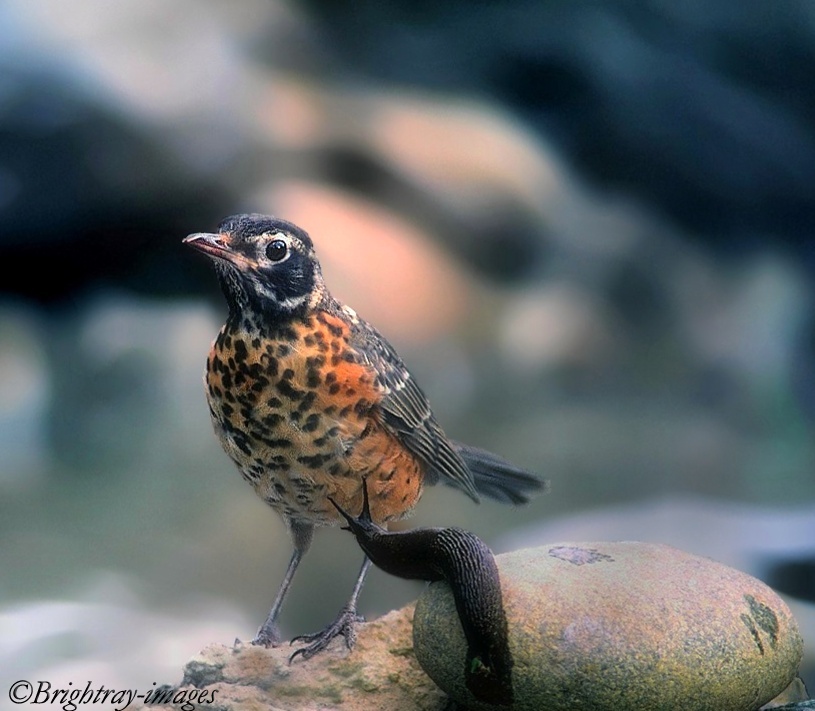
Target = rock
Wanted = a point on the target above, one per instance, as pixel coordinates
(795, 696)
(771, 541)
(606, 82)
(623, 626)
(380, 673)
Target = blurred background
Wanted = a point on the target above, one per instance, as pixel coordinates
(586, 226)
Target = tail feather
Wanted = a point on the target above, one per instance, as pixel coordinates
(497, 478)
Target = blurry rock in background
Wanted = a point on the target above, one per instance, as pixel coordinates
(583, 225)
(701, 110)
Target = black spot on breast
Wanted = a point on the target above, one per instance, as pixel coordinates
(285, 388)
(241, 441)
(313, 365)
(334, 388)
(274, 402)
(255, 370)
(312, 423)
(272, 420)
(280, 443)
(328, 435)
(241, 352)
(248, 398)
(308, 401)
(315, 461)
(269, 362)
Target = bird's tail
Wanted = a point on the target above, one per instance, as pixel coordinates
(496, 478)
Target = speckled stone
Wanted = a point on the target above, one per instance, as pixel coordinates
(623, 626)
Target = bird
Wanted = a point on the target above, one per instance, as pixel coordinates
(309, 401)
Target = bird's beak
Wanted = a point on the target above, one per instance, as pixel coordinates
(214, 245)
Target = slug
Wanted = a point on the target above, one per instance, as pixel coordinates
(467, 564)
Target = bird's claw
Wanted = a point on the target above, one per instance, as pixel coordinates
(345, 625)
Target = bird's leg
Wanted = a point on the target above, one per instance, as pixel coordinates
(344, 625)
(269, 634)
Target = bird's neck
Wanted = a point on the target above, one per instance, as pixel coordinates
(262, 325)
(268, 319)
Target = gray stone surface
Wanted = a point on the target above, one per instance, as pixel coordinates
(623, 625)
(381, 672)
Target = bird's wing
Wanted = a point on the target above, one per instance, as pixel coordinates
(406, 412)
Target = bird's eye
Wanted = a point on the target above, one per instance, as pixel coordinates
(276, 250)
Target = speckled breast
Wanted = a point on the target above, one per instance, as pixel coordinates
(297, 413)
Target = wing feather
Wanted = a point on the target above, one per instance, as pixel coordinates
(406, 412)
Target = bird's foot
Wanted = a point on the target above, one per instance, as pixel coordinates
(345, 625)
(267, 636)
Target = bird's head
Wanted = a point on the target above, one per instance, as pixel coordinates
(267, 266)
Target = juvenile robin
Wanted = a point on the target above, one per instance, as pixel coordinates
(309, 401)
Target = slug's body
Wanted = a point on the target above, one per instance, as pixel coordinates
(467, 565)
(309, 400)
